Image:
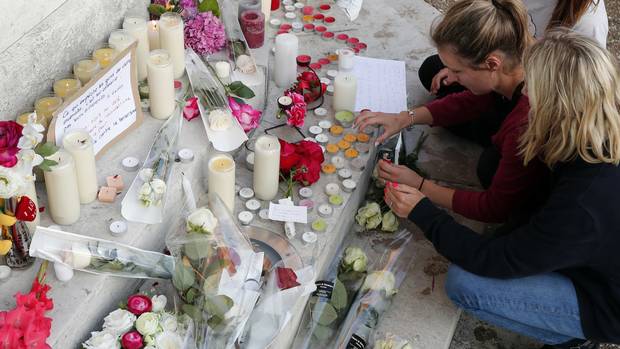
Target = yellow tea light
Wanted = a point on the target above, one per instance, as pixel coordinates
(46, 106)
(349, 137)
(332, 148)
(363, 138)
(104, 56)
(329, 169)
(344, 145)
(86, 69)
(336, 130)
(22, 119)
(351, 153)
(64, 88)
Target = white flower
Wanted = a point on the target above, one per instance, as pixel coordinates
(146, 174)
(102, 340)
(220, 120)
(28, 156)
(147, 323)
(169, 322)
(119, 321)
(11, 182)
(201, 221)
(150, 347)
(158, 186)
(159, 303)
(380, 281)
(169, 340)
(27, 142)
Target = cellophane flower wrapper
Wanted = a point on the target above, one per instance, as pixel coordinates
(217, 276)
(99, 256)
(236, 44)
(375, 297)
(274, 310)
(391, 341)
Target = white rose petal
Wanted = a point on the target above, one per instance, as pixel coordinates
(146, 174)
(102, 340)
(147, 323)
(168, 340)
(169, 322)
(27, 142)
(145, 189)
(201, 221)
(158, 186)
(219, 120)
(159, 303)
(119, 321)
(11, 182)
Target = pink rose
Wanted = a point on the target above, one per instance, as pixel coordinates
(191, 111)
(296, 115)
(248, 117)
(132, 340)
(297, 98)
(139, 303)
(10, 132)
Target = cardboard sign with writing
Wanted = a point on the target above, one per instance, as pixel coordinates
(108, 106)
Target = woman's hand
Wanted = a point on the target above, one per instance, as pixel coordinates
(392, 123)
(399, 174)
(401, 198)
(443, 78)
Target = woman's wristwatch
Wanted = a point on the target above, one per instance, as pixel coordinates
(411, 114)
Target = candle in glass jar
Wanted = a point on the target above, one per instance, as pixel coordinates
(120, 39)
(253, 27)
(46, 106)
(266, 167)
(80, 145)
(64, 88)
(104, 56)
(245, 5)
(287, 46)
(23, 118)
(171, 39)
(85, 69)
(154, 35)
(221, 179)
(137, 27)
(345, 92)
(161, 84)
(63, 197)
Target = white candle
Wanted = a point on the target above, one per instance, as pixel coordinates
(120, 39)
(171, 38)
(154, 35)
(287, 46)
(221, 179)
(266, 167)
(137, 27)
(345, 91)
(346, 60)
(161, 84)
(266, 9)
(63, 197)
(80, 145)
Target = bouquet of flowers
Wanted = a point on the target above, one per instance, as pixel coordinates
(300, 162)
(310, 87)
(142, 322)
(26, 326)
(293, 105)
(369, 217)
(204, 33)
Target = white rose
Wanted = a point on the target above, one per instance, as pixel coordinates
(158, 186)
(219, 120)
(145, 189)
(11, 182)
(79, 257)
(380, 281)
(102, 340)
(159, 303)
(168, 322)
(168, 340)
(146, 174)
(147, 323)
(29, 141)
(201, 221)
(119, 321)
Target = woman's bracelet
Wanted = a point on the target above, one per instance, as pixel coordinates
(421, 184)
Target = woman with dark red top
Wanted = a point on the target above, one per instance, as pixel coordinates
(484, 53)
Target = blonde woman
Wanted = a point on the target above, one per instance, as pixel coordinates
(557, 279)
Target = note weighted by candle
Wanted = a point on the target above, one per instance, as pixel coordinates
(105, 108)
(285, 213)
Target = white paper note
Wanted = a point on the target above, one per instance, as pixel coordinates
(285, 213)
(381, 85)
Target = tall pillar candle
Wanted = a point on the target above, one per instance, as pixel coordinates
(266, 167)
(161, 84)
(287, 46)
(80, 145)
(221, 179)
(154, 35)
(345, 92)
(266, 9)
(171, 39)
(63, 197)
(137, 27)
(120, 39)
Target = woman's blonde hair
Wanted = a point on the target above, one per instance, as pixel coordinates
(476, 28)
(574, 90)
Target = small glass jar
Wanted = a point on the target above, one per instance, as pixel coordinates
(104, 55)
(85, 69)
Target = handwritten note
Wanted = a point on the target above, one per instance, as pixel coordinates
(286, 213)
(106, 108)
(381, 85)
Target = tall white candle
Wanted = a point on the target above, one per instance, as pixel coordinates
(120, 39)
(161, 84)
(345, 92)
(171, 38)
(137, 27)
(221, 179)
(154, 35)
(287, 46)
(266, 167)
(266, 9)
(80, 145)
(63, 197)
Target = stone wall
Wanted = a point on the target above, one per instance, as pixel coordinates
(41, 39)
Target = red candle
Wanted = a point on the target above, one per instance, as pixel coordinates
(316, 66)
(285, 26)
(309, 27)
(303, 60)
(342, 37)
(324, 61)
(321, 29)
(361, 46)
(324, 8)
(319, 17)
(253, 27)
(328, 36)
(353, 41)
(281, 31)
(329, 20)
(275, 4)
(307, 10)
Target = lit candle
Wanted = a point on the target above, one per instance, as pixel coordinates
(63, 197)
(161, 84)
(221, 179)
(287, 46)
(104, 56)
(86, 69)
(64, 88)
(137, 27)
(171, 38)
(154, 35)
(120, 39)
(80, 145)
(46, 106)
(23, 118)
(266, 167)
(345, 91)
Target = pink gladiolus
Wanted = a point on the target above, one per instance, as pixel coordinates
(191, 111)
(248, 117)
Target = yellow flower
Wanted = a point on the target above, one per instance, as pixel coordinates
(5, 246)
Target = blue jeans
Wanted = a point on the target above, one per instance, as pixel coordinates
(543, 307)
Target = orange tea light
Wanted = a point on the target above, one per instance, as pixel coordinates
(362, 137)
(336, 130)
(308, 19)
(329, 169)
(344, 145)
(351, 153)
(349, 137)
(332, 148)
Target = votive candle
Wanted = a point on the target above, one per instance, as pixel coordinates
(64, 88)
(253, 27)
(221, 179)
(85, 69)
(63, 197)
(120, 39)
(138, 28)
(46, 106)
(104, 56)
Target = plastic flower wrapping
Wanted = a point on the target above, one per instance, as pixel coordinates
(238, 49)
(369, 217)
(391, 341)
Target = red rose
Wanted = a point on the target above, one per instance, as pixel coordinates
(309, 76)
(303, 85)
(288, 156)
(10, 132)
(323, 87)
(308, 171)
(139, 303)
(132, 340)
(296, 116)
(312, 150)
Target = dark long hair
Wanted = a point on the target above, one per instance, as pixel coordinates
(568, 12)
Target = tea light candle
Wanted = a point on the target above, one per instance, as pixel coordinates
(319, 225)
(349, 185)
(172, 39)
(299, 6)
(246, 193)
(221, 179)
(305, 192)
(245, 217)
(315, 130)
(332, 189)
(328, 36)
(324, 8)
(329, 20)
(307, 203)
(345, 92)
(358, 164)
(332, 74)
(350, 137)
(344, 173)
(287, 46)
(344, 145)
(363, 138)
(308, 19)
(161, 84)
(118, 228)
(154, 35)
(85, 69)
(64, 88)
(289, 8)
(275, 23)
(264, 214)
(307, 10)
(266, 167)
(325, 210)
(362, 148)
(346, 60)
(46, 106)
(291, 16)
(342, 38)
(320, 112)
(322, 138)
(249, 161)
(351, 153)
(353, 41)
(130, 163)
(309, 27)
(104, 56)
(80, 145)
(297, 27)
(63, 197)
(325, 124)
(330, 90)
(319, 18)
(138, 28)
(332, 148)
(338, 162)
(186, 155)
(309, 238)
(336, 130)
(120, 39)
(328, 168)
(24, 118)
(252, 205)
(336, 200)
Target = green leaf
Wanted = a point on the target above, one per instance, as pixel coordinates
(211, 284)
(215, 322)
(183, 277)
(238, 100)
(156, 9)
(193, 312)
(218, 305)
(209, 5)
(191, 295)
(239, 89)
(197, 247)
(339, 296)
(46, 165)
(325, 316)
(46, 149)
(322, 333)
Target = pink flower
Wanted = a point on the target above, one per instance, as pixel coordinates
(205, 33)
(191, 111)
(247, 116)
(297, 98)
(138, 304)
(132, 340)
(296, 115)
(10, 132)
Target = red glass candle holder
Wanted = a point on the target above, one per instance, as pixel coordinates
(253, 28)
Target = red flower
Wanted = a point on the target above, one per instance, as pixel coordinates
(10, 132)
(307, 172)
(138, 304)
(312, 150)
(191, 111)
(296, 97)
(296, 115)
(288, 156)
(132, 340)
(10, 337)
(303, 85)
(309, 76)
